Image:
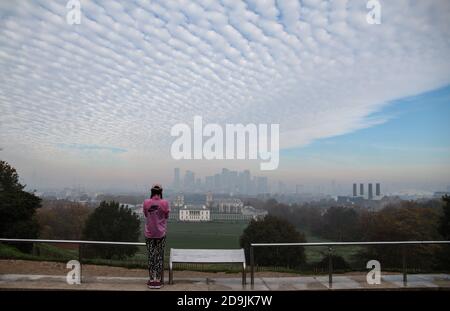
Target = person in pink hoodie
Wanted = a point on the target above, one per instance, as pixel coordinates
(156, 212)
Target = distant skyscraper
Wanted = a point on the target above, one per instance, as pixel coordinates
(189, 181)
(209, 183)
(233, 183)
(226, 181)
(247, 181)
(198, 184)
(217, 182)
(361, 189)
(377, 189)
(370, 195)
(176, 179)
(355, 190)
(281, 187)
(262, 185)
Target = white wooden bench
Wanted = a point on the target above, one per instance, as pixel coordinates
(207, 256)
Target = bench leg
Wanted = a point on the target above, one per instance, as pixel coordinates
(170, 274)
(244, 275)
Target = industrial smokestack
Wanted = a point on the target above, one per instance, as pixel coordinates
(370, 196)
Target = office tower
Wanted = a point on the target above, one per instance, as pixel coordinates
(361, 189)
(209, 183)
(198, 184)
(378, 189)
(233, 182)
(189, 181)
(262, 185)
(224, 180)
(355, 192)
(282, 189)
(240, 183)
(176, 179)
(247, 180)
(217, 182)
(370, 195)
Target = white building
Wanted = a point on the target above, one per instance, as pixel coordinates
(230, 206)
(250, 211)
(137, 209)
(179, 201)
(194, 213)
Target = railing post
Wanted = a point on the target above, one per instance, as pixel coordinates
(80, 247)
(404, 268)
(252, 266)
(330, 267)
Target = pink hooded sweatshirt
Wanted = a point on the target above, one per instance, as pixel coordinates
(156, 212)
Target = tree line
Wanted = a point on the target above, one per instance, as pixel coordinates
(400, 221)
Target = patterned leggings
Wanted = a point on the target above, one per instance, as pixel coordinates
(155, 248)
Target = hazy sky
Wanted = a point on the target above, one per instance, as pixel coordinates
(94, 103)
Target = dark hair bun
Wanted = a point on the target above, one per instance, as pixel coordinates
(157, 187)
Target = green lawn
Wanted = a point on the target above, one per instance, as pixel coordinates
(41, 252)
(204, 235)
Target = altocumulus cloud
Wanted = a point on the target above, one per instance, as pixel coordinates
(90, 148)
(132, 69)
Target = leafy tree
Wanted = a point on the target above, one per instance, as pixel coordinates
(443, 254)
(272, 229)
(338, 263)
(61, 219)
(17, 207)
(444, 222)
(301, 216)
(307, 217)
(409, 221)
(340, 224)
(111, 222)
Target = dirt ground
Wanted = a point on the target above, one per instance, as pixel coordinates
(58, 268)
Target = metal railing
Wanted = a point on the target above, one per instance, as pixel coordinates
(330, 253)
(80, 245)
(252, 246)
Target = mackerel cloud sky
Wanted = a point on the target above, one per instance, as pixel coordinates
(102, 96)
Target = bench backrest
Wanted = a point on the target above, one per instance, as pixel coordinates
(207, 255)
